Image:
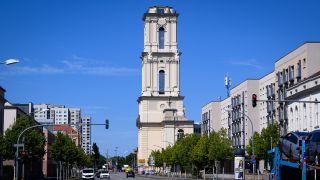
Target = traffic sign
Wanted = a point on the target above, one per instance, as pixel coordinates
(253, 161)
(18, 145)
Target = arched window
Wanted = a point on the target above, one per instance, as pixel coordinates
(180, 134)
(161, 38)
(161, 81)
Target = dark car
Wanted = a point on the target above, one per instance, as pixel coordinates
(313, 146)
(130, 174)
(290, 144)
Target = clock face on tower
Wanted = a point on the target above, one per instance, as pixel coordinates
(162, 21)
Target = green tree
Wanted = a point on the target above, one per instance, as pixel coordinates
(200, 152)
(262, 141)
(33, 139)
(220, 147)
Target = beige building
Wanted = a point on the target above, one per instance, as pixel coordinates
(242, 112)
(304, 116)
(211, 117)
(266, 92)
(291, 69)
(161, 120)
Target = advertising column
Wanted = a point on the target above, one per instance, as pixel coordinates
(239, 164)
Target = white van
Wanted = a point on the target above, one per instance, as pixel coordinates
(88, 173)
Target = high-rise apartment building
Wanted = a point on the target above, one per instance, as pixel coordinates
(86, 134)
(75, 117)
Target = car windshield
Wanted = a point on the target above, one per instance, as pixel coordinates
(104, 171)
(87, 171)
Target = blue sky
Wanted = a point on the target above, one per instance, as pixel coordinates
(86, 53)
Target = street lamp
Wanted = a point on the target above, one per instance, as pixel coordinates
(10, 61)
(253, 165)
(18, 140)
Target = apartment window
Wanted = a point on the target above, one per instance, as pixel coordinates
(161, 38)
(160, 11)
(316, 110)
(161, 81)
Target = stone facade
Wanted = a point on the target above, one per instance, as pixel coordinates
(161, 120)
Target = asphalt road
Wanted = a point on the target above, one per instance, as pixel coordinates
(122, 175)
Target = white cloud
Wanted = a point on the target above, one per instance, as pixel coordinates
(76, 65)
(249, 63)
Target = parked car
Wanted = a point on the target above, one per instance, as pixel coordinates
(291, 144)
(104, 174)
(313, 146)
(130, 174)
(87, 173)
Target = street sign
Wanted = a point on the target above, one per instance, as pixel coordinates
(253, 161)
(18, 145)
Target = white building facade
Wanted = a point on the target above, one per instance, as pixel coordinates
(161, 120)
(86, 134)
(304, 116)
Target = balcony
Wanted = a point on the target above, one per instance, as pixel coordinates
(291, 74)
(285, 76)
(280, 80)
(299, 70)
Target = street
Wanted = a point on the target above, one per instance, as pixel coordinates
(122, 175)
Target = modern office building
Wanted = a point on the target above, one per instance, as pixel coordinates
(161, 120)
(86, 134)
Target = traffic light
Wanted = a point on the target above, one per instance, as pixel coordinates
(254, 100)
(24, 156)
(107, 123)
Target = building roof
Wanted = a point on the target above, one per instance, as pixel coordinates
(307, 42)
(65, 128)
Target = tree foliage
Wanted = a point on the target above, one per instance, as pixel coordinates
(33, 139)
(195, 150)
(64, 149)
(262, 141)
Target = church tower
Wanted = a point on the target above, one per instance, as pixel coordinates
(161, 121)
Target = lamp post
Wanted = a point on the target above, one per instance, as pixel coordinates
(253, 164)
(10, 61)
(18, 140)
(6, 62)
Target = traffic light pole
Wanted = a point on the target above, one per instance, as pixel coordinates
(288, 101)
(39, 125)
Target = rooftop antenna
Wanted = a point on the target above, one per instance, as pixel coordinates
(227, 83)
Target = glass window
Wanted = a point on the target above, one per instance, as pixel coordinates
(292, 138)
(161, 38)
(180, 133)
(160, 11)
(161, 82)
